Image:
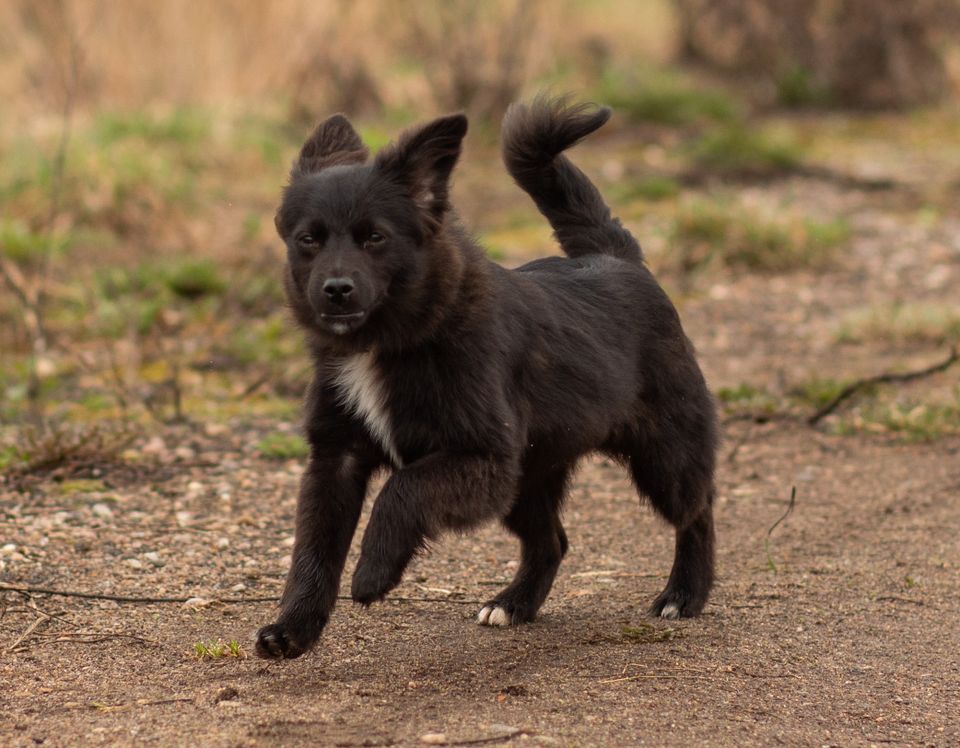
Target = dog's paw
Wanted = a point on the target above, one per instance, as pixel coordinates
(672, 604)
(505, 612)
(493, 615)
(275, 642)
(371, 582)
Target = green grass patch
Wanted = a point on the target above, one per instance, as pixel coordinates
(211, 650)
(77, 485)
(911, 422)
(652, 188)
(797, 87)
(909, 322)
(739, 150)
(664, 97)
(747, 398)
(706, 233)
(283, 446)
(265, 341)
(523, 240)
(25, 246)
(193, 279)
(10, 455)
(181, 127)
(647, 633)
(816, 393)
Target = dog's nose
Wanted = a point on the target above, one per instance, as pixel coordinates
(338, 289)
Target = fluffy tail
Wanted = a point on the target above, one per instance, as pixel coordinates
(534, 138)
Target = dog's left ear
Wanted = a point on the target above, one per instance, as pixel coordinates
(423, 158)
(333, 143)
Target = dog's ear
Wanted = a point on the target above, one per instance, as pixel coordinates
(422, 159)
(333, 143)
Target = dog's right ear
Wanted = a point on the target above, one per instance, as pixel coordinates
(333, 143)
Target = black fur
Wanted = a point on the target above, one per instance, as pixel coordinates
(490, 384)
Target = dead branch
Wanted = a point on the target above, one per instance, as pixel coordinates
(887, 378)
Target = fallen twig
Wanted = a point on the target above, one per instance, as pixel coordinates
(30, 590)
(897, 599)
(766, 541)
(889, 377)
(28, 631)
(656, 676)
(95, 637)
(492, 739)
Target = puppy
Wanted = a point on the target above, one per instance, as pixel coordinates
(478, 388)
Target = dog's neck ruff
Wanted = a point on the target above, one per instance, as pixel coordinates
(362, 390)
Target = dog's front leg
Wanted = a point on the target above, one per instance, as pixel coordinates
(331, 497)
(437, 492)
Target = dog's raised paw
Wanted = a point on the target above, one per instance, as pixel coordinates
(493, 615)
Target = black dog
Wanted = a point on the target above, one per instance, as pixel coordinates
(478, 387)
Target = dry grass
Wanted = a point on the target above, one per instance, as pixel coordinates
(707, 233)
(911, 322)
(369, 57)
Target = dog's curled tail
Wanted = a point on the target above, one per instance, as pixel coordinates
(534, 138)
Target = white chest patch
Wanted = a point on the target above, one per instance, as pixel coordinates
(363, 391)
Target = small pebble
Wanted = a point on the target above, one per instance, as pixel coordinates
(155, 446)
(434, 738)
(134, 563)
(185, 453)
(103, 511)
(227, 693)
(154, 558)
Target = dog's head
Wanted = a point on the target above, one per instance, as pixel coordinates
(359, 234)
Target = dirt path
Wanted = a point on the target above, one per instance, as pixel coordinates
(845, 634)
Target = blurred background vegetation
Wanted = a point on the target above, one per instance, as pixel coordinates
(143, 146)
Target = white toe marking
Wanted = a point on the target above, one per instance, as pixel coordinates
(484, 615)
(670, 611)
(493, 615)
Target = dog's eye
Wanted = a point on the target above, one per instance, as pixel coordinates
(374, 239)
(306, 239)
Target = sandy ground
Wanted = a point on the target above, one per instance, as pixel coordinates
(844, 633)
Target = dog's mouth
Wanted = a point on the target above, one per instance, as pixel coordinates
(341, 323)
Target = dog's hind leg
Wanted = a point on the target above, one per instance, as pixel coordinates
(686, 501)
(535, 520)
